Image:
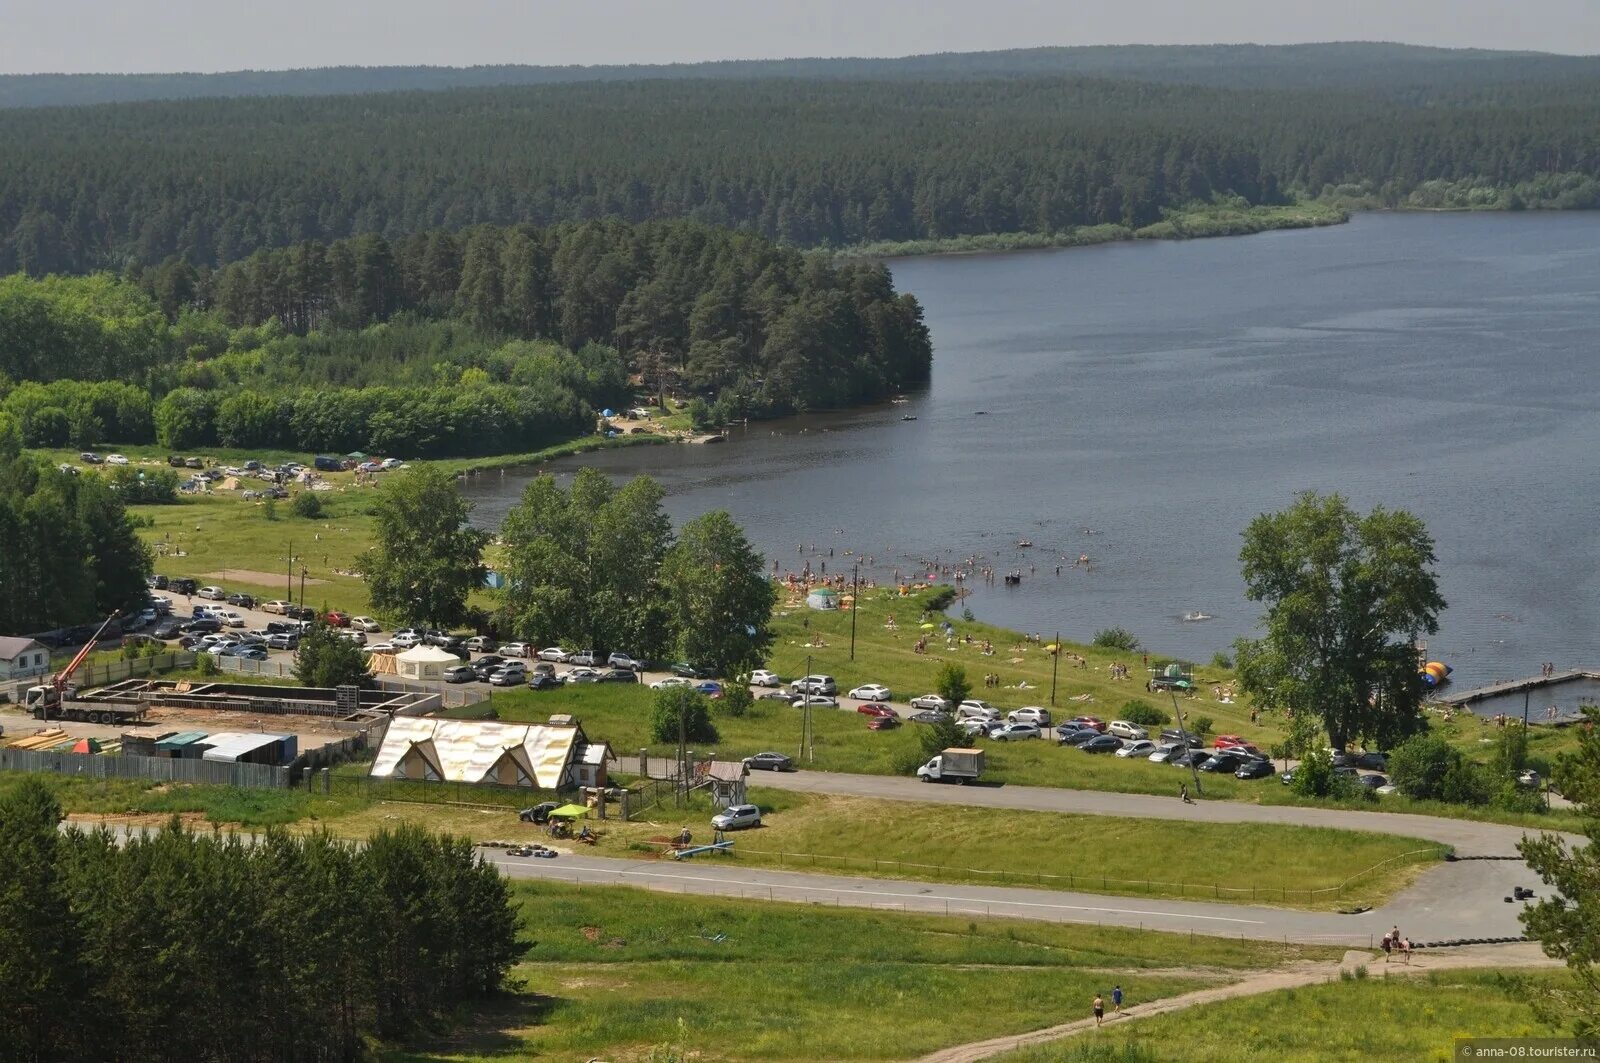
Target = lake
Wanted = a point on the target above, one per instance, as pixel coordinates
(1140, 403)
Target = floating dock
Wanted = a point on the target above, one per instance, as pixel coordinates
(1467, 699)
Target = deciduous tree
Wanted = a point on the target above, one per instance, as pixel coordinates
(427, 558)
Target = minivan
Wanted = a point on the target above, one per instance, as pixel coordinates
(326, 464)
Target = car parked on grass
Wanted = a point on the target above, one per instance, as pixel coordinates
(737, 817)
(1139, 747)
(1225, 761)
(1124, 729)
(215, 594)
(876, 710)
(1102, 744)
(932, 702)
(1012, 732)
(116, 459)
(883, 723)
(460, 673)
(871, 692)
(1254, 768)
(815, 700)
(814, 684)
(769, 762)
(762, 677)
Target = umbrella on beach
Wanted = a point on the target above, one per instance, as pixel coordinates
(927, 627)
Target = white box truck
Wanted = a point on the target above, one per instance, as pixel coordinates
(953, 765)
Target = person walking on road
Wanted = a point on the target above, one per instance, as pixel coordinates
(1116, 1000)
(1183, 792)
(1388, 946)
(1099, 1010)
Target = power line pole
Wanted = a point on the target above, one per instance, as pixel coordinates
(1179, 714)
(855, 597)
(1055, 667)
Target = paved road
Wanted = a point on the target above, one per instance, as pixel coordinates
(1451, 901)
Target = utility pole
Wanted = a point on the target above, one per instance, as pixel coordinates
(806, 749)
(288, 587)
(855, 597)
(302, 586)
(682, 789)
(1055, 666)
(1526, 693)
(1179, 714)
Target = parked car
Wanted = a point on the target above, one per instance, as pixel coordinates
(976, 709)
(460, 673)
(510, 674)
(581, 675)
(815, 699)
(710, 688)
(156, 582)
(583, 657)
(1075, 736)
(1254, 768)
(737, 817)
(301, 612)
(871, 692)
(617, 675)
(543, 681)
(283, 640)
(628, 661)
(1166, 751)
(883, 723)
(1373, 782)
(1225, 761)
(167, 630)
(89, 457)
(761, 677)
(769, 762)
(250, 652)
(181, 585)
(1124, 729)
(353, 635)
(334, 618)
(1034, 714)
(229, 618)
(814, 684)
(405, 640)
(202, 625)
(928, 716)
(1373, 761)
(243, 601)
(1102, 744)
(539, 813)
(277, 605)
(366, 623)
(215, 594)
(1227, 742)
(1189, 758)
(775, 695)
(1139, 747)
(488, 663)
(874, 709)
(1188, 738)
(973, 727)
(1092, 722)
(1011, 732)
(671, 681)
(549, 653)
(686, 670)
(932, 702)
(480, 643)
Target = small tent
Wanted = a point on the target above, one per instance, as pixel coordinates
(822, 598)
(426, 663)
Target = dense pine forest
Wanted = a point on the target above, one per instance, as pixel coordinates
(811, 163)
(495, 340)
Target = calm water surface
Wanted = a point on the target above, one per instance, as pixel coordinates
(1141, 403)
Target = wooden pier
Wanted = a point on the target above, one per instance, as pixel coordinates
(1466, 698)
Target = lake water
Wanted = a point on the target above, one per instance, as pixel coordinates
(1142, 402)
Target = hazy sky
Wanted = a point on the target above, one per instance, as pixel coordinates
(208, 35)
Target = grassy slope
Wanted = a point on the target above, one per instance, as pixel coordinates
(1414, 1019)
(614, 971)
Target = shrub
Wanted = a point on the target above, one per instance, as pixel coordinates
(1221, 660)
(1144, 714)
(206, 664)
(1117, 638)
(1464, 783)
(952, 683)
(1315, 777)
(327, 659)
(942, 734)
(672, 703)
(307, 505)
(1201, 725)
(736, 700)
(269, 509)
(939, 599)
(1418, 766)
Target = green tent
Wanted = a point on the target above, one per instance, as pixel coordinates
(569, 812)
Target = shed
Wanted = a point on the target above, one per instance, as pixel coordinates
(22, 658)
(185, 744)
(726, 778)
(251, 748)
(424, 663)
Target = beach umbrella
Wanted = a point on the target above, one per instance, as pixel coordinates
(1052, 647)
(927, 627)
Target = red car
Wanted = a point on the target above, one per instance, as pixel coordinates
(1229, 742)
(1090, 721)
(338, 619)
(883, 723)
(880, 711)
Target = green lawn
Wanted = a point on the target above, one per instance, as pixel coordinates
(214, 804)
(614, 972)
(1415, 1019)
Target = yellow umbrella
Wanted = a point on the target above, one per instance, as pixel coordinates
(1052, 647)
(927, 627)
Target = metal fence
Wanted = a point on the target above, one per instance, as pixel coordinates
(162, 769)
(105, 673)
(273, 669)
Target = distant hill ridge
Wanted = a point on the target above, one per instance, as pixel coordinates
(1328, 65)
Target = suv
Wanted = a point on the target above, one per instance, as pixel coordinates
(584, 657)
(283, 640)
(181, 585)
(813, 684)
(215, 594)
(735, 817)
(627, 660)
(1030, 714)
(975, 709)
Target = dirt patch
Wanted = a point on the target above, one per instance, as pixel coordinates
(195, 821)
(255, 576)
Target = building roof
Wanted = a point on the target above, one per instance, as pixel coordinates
(595, 753)
(428, 655)
(469, 750)
(12, 646)
(182, 738)
(231, 745)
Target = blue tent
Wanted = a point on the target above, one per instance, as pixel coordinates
(608, 413)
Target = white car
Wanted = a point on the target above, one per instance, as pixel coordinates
(1166, 751)
(1141, 747)
(1039, 717)
(381, 647)
(872, 692)
(737, 817)
(1010, 732)
(581, 675)
(116, 459)
(583, 657)
(973, 709)
(355, 635)
(815, 699)
(671, 681)
(215, 594)
(365, 623)
(405, 640)
(931, 702)
(277, 605)
(1124, 729)
(549, 653)
(763, 678)
(480, 644)
(228, 617)
(515, 649)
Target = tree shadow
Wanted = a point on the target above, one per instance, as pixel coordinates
(493, 1029)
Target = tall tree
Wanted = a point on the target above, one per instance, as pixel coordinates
(427, 558)
(1347, 595)
(719, 596)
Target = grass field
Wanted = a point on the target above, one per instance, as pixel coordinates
(614, 972)
(1413, 1019)
(214, 804)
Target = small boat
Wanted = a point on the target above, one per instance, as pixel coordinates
(979, 413)
(1013, 578)
(1197, 615)
(909, 417)
(1023, 544)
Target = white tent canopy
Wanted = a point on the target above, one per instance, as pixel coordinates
(424, 662)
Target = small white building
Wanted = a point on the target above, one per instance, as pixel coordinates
(23, 658)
